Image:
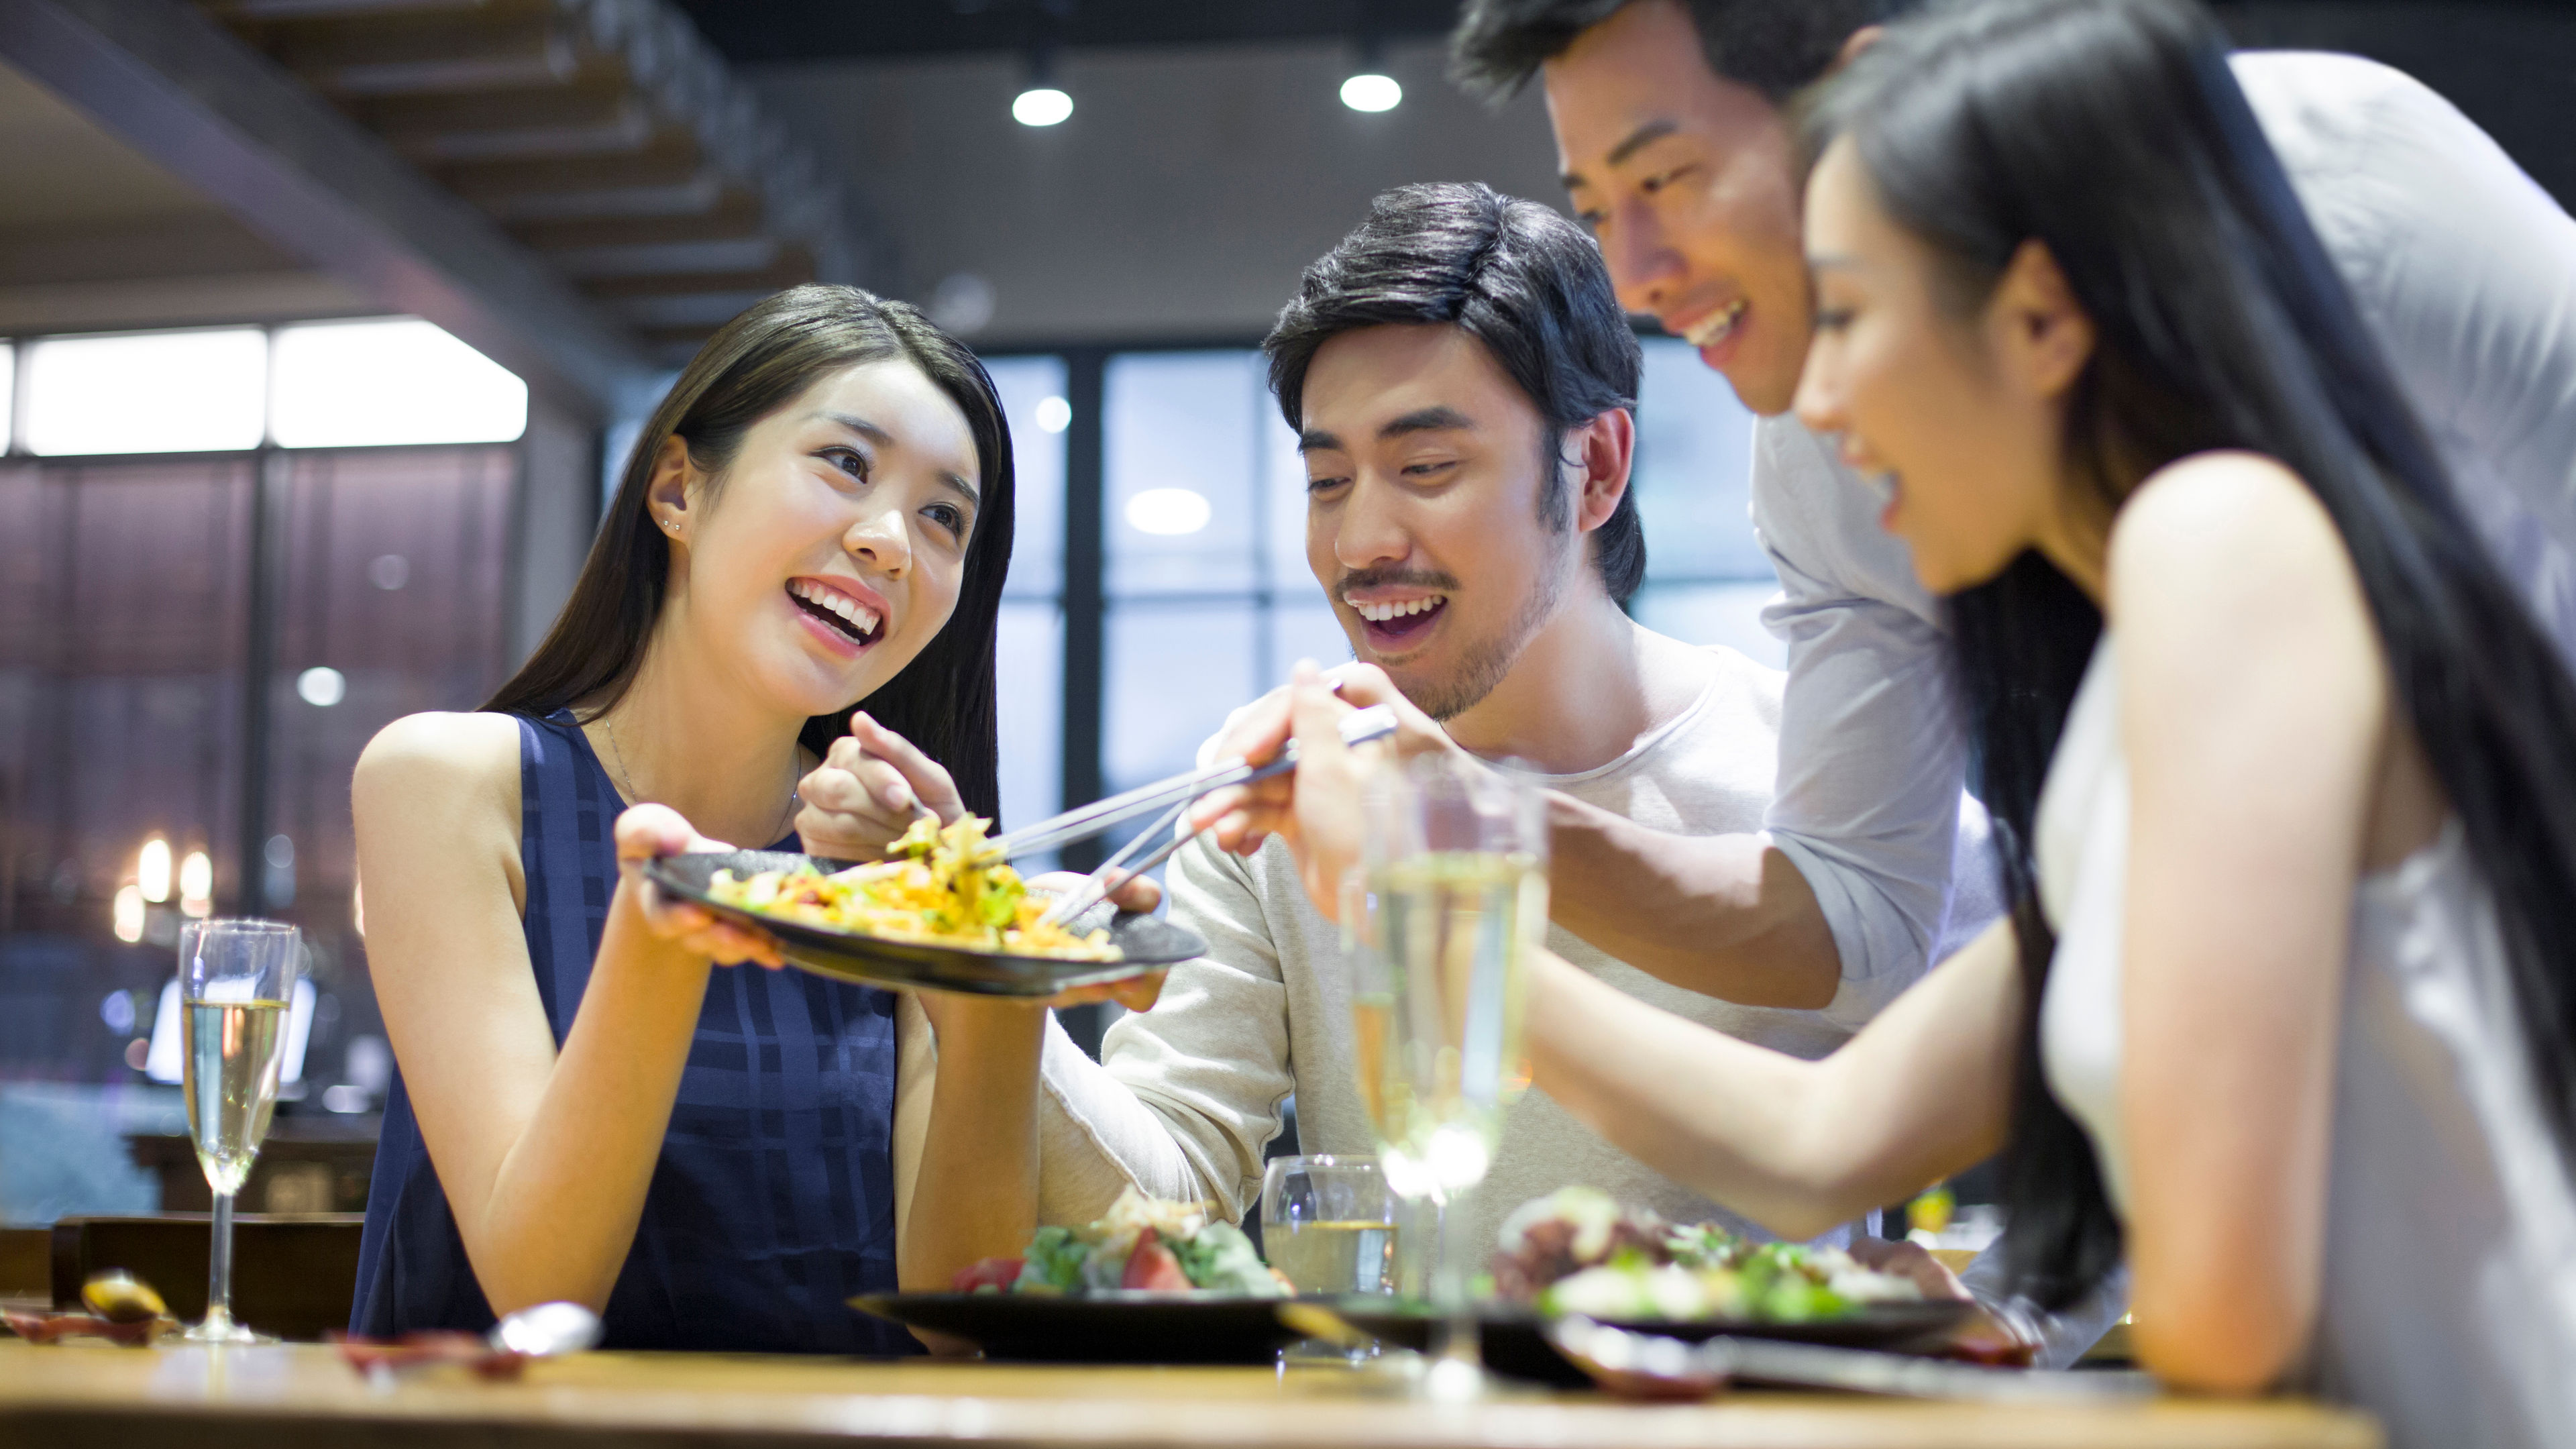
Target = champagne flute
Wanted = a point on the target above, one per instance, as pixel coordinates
(1438, 922)
(235, 979)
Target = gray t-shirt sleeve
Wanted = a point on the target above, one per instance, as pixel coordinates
(1872, 754)
(1190, 1092)
(2466, 271)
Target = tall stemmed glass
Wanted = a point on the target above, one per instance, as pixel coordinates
(235, 979)
(1438, 923)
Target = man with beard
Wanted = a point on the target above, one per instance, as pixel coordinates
(1461, 380)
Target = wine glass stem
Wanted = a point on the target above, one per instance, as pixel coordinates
(1451, 1272)
(219, 1266)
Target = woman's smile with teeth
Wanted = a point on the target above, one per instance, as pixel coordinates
(1381, 613)
(840, 610)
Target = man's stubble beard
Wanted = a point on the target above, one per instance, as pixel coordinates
(1486, 662)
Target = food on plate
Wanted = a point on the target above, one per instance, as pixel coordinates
(1142, 1243)
(1578, 1251)
(941, 886)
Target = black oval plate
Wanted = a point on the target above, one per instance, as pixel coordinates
(1124, 1327)
(1144, 942)
(1512, 1342)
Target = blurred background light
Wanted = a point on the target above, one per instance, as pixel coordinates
(1167, 511)
(387, 381)
(1054, 414)
(1369, 91)
(128, 917)
(1041, 106)
(196, 884)
(321, 685)
(152, 870)
(203, 390)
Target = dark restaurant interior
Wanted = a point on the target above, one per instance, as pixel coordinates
(327, 325)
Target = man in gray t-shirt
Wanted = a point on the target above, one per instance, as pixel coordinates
(1460, 378)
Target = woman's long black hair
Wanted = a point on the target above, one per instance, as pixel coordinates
(760, 362)
(2113, 132)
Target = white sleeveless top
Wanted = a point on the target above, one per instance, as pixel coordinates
(2449, 1304)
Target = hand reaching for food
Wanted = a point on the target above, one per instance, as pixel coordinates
(650, 832)
(1315, 809)
(867, 792)
(1241, 817)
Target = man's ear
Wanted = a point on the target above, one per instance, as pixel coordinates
(1604, 449)
(1858, 41)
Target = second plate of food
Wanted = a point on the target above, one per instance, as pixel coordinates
(1512, 1340)
(1142, 943)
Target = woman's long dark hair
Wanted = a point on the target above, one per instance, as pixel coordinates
(760, 362)
(2113, 132)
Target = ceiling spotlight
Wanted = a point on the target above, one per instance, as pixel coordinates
(1041, 105)
(1370, 91)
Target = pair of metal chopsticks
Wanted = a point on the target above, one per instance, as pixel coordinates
(1174, 797)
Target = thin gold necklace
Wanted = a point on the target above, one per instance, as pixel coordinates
(626, 780)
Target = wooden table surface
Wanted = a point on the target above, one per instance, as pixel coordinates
(294, 1395)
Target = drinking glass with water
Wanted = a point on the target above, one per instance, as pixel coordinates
(1328, 1224)
(235, 979)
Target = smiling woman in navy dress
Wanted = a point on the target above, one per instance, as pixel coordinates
(818, 515)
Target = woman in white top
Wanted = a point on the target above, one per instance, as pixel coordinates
(2286, 1004)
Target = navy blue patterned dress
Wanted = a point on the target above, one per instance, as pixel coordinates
(773, 1200)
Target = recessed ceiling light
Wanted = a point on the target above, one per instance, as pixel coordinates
(1041, 106)
(1369, 91)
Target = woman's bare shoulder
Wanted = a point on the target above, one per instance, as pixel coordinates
(440, 761)
(2218, 537)
(2217, 512)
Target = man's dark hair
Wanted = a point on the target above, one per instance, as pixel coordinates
(1775, 46)
(1514, 275)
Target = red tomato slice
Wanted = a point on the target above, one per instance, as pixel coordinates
(1153, 1268)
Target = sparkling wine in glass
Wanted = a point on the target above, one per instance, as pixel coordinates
(235, 980)
(1437, 927)
(1328, 1224)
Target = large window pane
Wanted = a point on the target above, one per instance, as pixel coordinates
(123, 612)
(1694, 458)
(389, 380)
(1032, 392)
(204, 390)
(1304, 629)
(1283, 473)
(391, 584)
(1174, 671)
(1030, 656)
(1183, 456)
